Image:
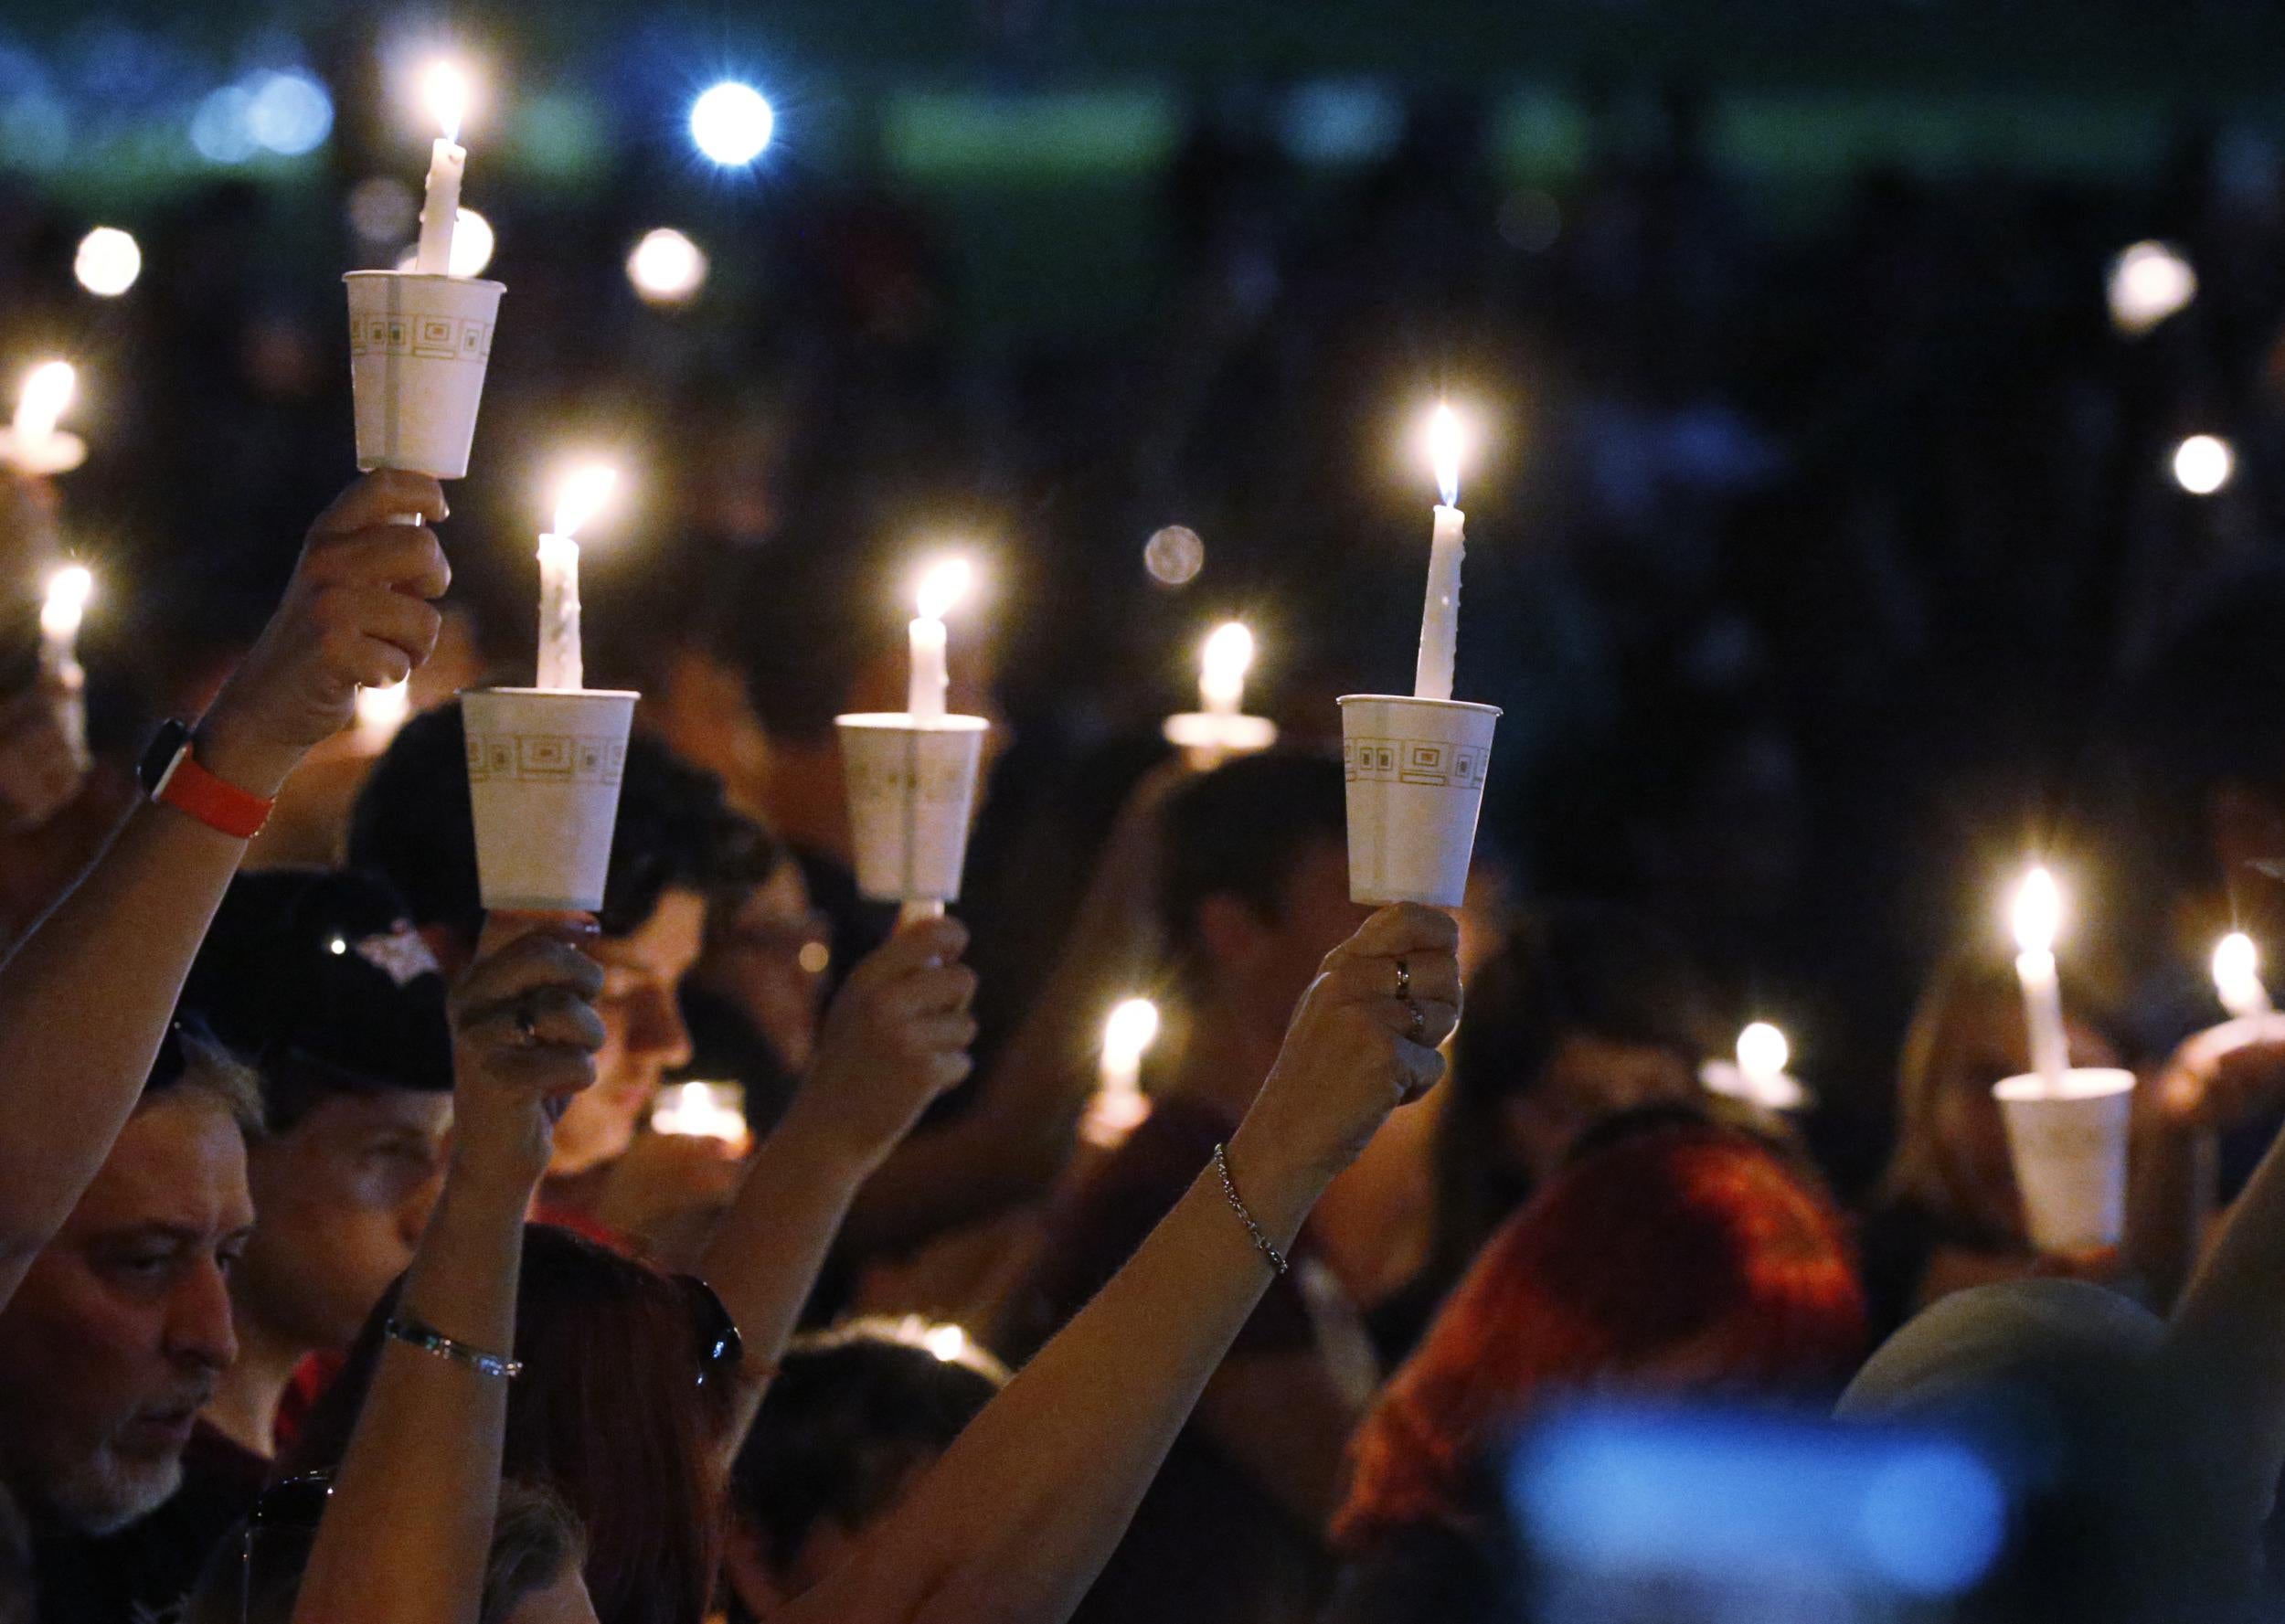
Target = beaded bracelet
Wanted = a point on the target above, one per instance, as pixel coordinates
(428, 1340)
(1237, 1206)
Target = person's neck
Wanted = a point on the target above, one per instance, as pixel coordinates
(244, 1408)
(1225, 1058)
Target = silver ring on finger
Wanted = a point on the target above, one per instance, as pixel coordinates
(1404, 981)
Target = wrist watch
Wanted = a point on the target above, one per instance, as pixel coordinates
(171, 776)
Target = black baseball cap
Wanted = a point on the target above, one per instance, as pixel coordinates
(318, 979)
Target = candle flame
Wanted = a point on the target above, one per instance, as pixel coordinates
(942, 585)
(46, 391)
(1229, 653)
(2037, 913)
(444, 91)
(67, 592)
(2236, 961)
(581, 496)
(1131, 1029)
(381, 711)
(1762, 1051)
(1447, 440)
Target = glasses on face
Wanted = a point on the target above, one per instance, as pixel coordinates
(719, 1348)
(289, 1508)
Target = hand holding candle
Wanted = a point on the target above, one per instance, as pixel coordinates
(2037, 915)
(445, 89)
(561, 664)
(1440, 619)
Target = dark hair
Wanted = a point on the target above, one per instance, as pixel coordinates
(413, 822)
(1240, 831)
(318, 979)
(535, 1541)
(851, 1412)
(608, 1413)
(1571, 970)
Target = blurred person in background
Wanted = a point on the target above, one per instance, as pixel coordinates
(1584, 1013)
(674, 840)
(319, 981)
(1671, 1257)
(1253, 892)
(852, 1419)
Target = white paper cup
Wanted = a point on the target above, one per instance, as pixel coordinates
(1415, 770)
(912, 794)
(543, 768)
(417, 348)
(2069, 1150)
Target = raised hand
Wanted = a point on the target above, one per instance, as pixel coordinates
(524, 1034)
(2223, 1075)
(353, 616)
(1363, 1042)
(894, 1038)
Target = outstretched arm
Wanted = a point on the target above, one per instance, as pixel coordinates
(407, 1531)
(1017, 1519)
(86, 997)
(896, 1038)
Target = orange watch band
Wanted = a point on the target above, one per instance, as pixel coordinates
(216, 802)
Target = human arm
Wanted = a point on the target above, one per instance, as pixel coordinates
(2215, 1080)
(86, 997)
(407, 1533)
(1013, 1136)
(1020, 1514)
(896, 1038)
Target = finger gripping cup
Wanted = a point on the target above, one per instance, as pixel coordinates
(418, 344)
(544, 771)
(1415, 770)
(912, 795)
(2070, 1150)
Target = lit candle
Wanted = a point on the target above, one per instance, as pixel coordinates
(59, 617)
(40, 405)
(1762, 1057)
(2037, 915)
(1222, 670)
(2237, 976)
(1440, 620)
(445, 89)
(561, 664)
(944, 584)
(1119, 1106)
(702, 1110)
(381, 712)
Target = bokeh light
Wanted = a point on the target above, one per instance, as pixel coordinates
(288, 113)
(108, 262)
(2203, 464)
(472, 244)
(383, 209)
(732, 123)
(2149, 282)
(666, 267)
(1175, 555)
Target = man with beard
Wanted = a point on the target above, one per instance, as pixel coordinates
(118, 1334)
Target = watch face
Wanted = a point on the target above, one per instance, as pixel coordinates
(172, 738)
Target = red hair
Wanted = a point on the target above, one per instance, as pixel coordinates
(1678, 1259)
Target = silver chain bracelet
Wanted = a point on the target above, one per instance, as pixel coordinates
(1237, 1206)
(428, 1340)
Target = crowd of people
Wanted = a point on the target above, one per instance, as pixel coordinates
(346, 1271)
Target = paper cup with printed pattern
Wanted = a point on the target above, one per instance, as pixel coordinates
(1415, 770)
(417, 348)
(2069, 1148)
(912, 795)
(544, 769)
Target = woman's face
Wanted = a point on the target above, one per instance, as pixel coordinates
(770, 960)
(1986, 1042)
